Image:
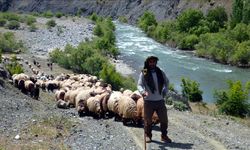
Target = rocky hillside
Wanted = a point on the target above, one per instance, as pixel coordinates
(132, 9)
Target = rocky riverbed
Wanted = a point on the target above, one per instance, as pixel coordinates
(26, 123)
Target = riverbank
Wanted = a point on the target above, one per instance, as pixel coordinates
(135, 46)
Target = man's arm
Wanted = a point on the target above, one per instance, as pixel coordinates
(140, 85)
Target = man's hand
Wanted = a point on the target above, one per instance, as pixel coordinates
(145, 94)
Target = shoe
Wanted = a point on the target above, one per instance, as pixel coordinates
(166, 139)
(148, 139)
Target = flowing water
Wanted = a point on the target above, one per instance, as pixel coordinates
(135, 46)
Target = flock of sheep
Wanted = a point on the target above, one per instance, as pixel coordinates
(87, 94)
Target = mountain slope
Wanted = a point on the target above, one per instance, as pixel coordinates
(163, 9)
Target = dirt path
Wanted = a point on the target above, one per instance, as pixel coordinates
(183, 137)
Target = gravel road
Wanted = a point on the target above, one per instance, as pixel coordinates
(187, 130)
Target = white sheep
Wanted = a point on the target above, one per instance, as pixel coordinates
(127, 109)
(113, 102)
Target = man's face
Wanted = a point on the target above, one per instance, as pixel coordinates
(152, 63)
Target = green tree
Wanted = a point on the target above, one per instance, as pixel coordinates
(2, 22)
(8, 42)
(216, 46)
(218, 15)
(30, 20)
(236, 12)
(13, 25)
(14, 67)
(98, 30)
(93, 64)
(241, 55)
(123, 19)
(233, 101)
(188, 42)
(109, 75)
(48, 14)
(239, 33)
(51, 23)
(190, 89)
(147, 20)
(246, 12)
(94, 17)
(0, 55)
(189, 19)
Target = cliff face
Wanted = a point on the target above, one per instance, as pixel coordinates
(132, 9)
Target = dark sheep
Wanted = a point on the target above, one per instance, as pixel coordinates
(36, 92)
(21, 86)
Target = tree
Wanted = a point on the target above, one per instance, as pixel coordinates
(190, 89)
(246, 12)
(240, 12)
(146, 20)
(218, 15)
(189, 19)
(233, 101)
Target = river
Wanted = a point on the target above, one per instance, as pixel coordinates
(135, 46)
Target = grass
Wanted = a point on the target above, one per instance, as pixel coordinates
(43, 133)
(211, 110)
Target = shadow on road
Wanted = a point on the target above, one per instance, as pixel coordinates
(163, 146)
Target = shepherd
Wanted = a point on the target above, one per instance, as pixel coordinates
(153, 85)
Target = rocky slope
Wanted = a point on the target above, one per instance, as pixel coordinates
(132, 9)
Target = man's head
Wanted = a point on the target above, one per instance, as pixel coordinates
(151, 62)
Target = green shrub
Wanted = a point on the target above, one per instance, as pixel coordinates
(60, 57)
(241, 54)
(189, 19)
(188, 42)
(94, 17)
(108, 24)
(30, 20)
(51, 23)
(93, 65)
(36, 14)
(218, 15)
(129, 83)
(216, 46)
(59, 14)
(14, 67)
(178, 105)
(233, 101)
(202, 27)
(190, 90)
(2, 22)
(109, 75)
(239, 32)
(10, 16)
(8, 43)
(13, 25)
(147, 20)
(98, 30)
(0, 55)
(246, 12)
(32, 28)
(48, 14)
(123, 19)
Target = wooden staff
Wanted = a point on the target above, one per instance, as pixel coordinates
(145, 144)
